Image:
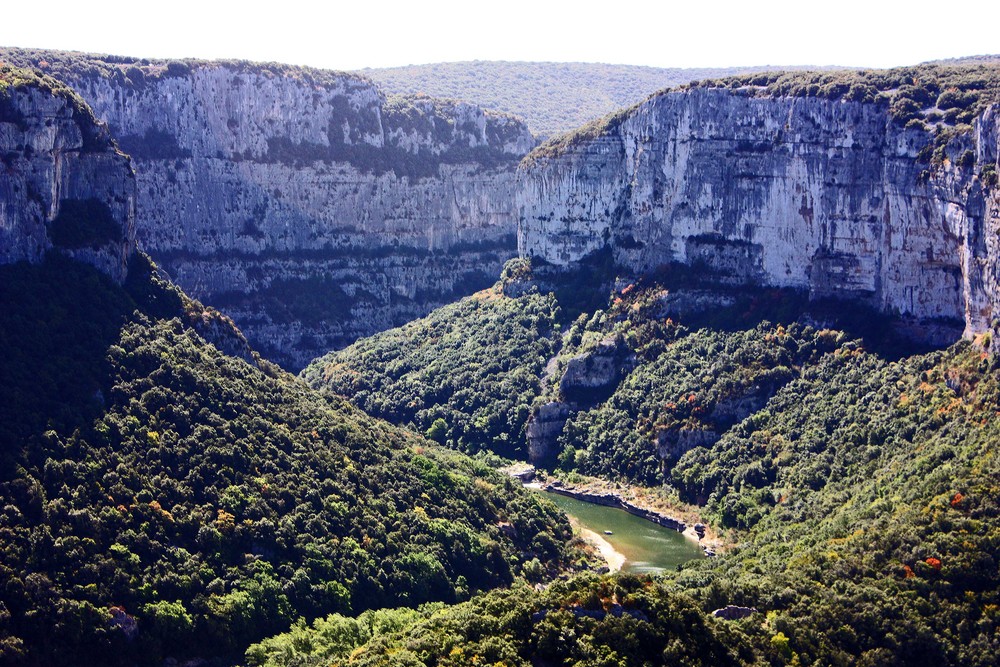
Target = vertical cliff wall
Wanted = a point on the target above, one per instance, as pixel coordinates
(304, 203)
(64, 185)
(832, 196)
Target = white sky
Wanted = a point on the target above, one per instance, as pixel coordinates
(382, 33)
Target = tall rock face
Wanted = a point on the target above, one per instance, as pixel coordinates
(305, 204)
(64, 185)
(830, 196)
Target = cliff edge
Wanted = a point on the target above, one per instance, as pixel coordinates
(306, 204)
(887, 196)
(64, 185)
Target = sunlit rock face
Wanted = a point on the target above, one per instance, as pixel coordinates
(64, 186)
(312, 209)
(832, 197)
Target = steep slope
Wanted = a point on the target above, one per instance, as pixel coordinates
(877, 187)
(194, 504)
(552, 98)
(870, 491)
(473, 365)
(161, 500)
(587, 621)
(315, 209)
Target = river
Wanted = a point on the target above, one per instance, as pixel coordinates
(646, 546)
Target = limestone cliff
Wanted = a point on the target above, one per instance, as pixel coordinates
(304, 203)
(64, 184)
(833, 196)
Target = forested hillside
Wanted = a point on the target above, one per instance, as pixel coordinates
(161, 499)
(857, 475)
(466, 375)
(589, 620)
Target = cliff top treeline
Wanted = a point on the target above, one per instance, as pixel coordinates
(939, 98)
(57, 66)
(13, 78)
(127, 69)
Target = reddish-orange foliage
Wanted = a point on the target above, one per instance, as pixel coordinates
(957, 500)
(908, 572)
(933, 562)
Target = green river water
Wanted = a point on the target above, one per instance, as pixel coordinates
(646, 546)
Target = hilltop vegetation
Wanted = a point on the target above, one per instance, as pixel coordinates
(942, 99)
(134, 72)
(163, 500)
(552, 98)
(932, 95)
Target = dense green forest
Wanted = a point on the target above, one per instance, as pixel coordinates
(864, 500)
(473, 365)
(586, 621)
(857, 474)
(552, 98)
(161, 499)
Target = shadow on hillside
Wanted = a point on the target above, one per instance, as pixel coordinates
(60, 317)
(720, 304)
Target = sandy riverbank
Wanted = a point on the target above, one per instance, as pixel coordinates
(648, 499)
(615, 559)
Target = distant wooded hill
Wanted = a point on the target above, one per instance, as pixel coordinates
(551, 97)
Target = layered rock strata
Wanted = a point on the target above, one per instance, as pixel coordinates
(833, 197)
(305, 204)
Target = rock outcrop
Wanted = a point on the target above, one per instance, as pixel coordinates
(314, 210)
(303, 203)
(592, 376)
(834, 197)
(64, 185)
(734, 613)
(543, 429)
